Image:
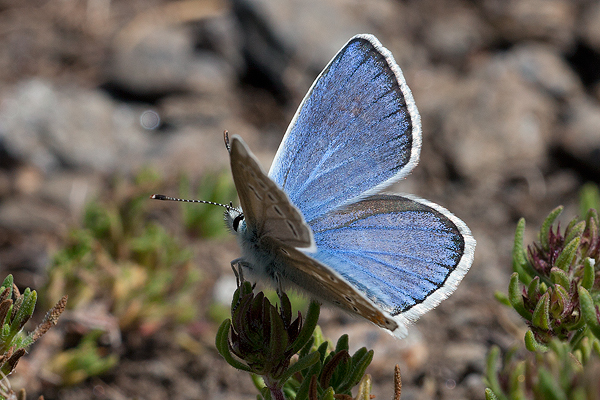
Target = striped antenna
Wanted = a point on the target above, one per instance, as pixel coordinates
(163, 197)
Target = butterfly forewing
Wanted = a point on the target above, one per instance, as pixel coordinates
(356, 131)
(266, 208)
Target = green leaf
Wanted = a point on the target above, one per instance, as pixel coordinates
(533, 288)
(576, 231)
(489, 394)
(8, 283)
(589, 197)
(492, 367)
(364, 388)
(589, 274)
(533, 345)
(559, 277)
(300, 365)
(516, 298)
(278, 337)
(568, 254)
(517, 381)
(548, 387)
(342, 344)
(25, 311)
(304, 388)
(222, 344)
(502, 298)
(519, 260)
(541, 314)
(547, 225)
(357, 372)
(589, 312)
(310, 323)
(328, 394)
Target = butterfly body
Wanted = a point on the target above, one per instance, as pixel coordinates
(317, 223)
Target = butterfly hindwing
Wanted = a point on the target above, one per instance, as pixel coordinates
(356, 131)
(404, 254)
(324, 283)
(266, 207)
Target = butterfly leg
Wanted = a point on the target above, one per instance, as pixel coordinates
(236, 266)
(279, 285)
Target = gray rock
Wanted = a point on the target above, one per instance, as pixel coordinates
(543, 66)
(497, 119)
(70, 126)
(581, 138)
(163, 60)
(590, 28)
(553, 21)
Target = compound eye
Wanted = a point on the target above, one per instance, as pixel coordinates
(236, 222)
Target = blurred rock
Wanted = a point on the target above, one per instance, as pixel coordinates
(590, 28)
(453, 30)
(553, 21)
(69, 127)
(496, 119)
(164, 61)
(581, 138)
(31, 215)
(543, 66)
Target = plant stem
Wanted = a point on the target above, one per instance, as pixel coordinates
(276, 391)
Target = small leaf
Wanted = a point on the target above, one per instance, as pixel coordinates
(575, 231)
(305, 386)
(310, 323)
(222, 344)
(533, 345)
(519, 260)
(502, 298)
(559, 277)
(547, 225)
(300, 365)
(489, 394)
(533, 288)
(328, 394)
(517, 381)
(541, 314)
(364, 388)
(568, 254)
(342, 343)
(355, 375)
(588, 273)
(589, 198)
(548, 386)
(492, 367)
(516, 298)
(589, 312)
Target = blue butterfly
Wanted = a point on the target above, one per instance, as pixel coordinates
(316, 223)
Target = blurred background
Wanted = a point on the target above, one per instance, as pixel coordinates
(105, 102)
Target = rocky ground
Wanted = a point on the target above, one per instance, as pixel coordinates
(508, 91)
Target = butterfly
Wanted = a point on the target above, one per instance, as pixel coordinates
(317, 221)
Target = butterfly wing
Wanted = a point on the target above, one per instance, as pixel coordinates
(356, 131)
(266, 207)
(302, 272)
(404, 254)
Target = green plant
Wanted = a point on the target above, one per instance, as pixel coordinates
(556, 289)
(288, 358)
(121, 258)
(87, 359)
(202, 220)
(15, 310)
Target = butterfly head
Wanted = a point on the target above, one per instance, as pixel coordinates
(234, 219)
